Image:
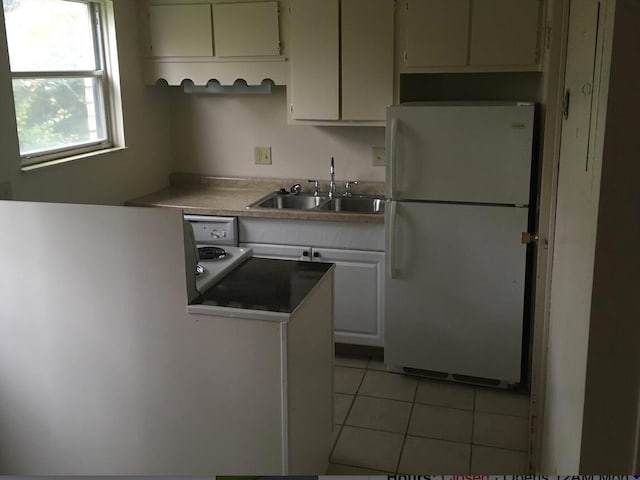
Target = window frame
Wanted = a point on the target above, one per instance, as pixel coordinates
(106, 105)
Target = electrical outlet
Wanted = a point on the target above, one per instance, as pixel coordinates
(262, 155)
(378, 156)
(5, 190)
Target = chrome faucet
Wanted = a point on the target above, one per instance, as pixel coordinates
(332, 183)
(316, 187)
(347, 187)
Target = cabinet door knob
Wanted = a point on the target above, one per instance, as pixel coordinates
(316, 254)
(305, 253)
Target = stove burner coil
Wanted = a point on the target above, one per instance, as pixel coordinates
(211, 253)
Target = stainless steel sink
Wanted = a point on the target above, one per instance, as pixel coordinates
(307, 201)
(354, 204)
(292, 201)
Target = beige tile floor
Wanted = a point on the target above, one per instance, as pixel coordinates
(388, 423)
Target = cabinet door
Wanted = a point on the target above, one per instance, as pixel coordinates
(282, 252)
(358, 294)
(314, 69)
(246, 29)
(504, 32)
(367, 58)
(181, 30)
(437, 33)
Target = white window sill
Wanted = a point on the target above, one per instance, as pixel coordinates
(61, 161)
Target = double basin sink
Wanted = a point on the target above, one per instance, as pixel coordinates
(307, 201)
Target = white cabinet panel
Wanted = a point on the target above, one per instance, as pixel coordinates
(437, 33)
(359, 274)
(504, 32)
(350, 236)
(282, 252)
(246, 29)
(314, 68)
(367, 58)
(359, 294)
(181, 30)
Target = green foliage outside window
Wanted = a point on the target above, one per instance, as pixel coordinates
(51, 113)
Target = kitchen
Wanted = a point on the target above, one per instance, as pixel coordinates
(170, 132)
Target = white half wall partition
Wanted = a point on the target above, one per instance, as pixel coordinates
(103, 371)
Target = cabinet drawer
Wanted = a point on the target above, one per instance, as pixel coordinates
(357, 236)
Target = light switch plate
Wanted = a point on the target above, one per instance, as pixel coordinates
(5, 190)
(262, 155)
(378, 156)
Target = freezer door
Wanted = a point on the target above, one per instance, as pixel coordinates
(455, 289)
(460, 153)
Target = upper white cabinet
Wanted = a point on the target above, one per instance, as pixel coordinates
(180, 30)
(437, 33)
(469, 35)
(246, 29)
(341, 67)
(505, 32)
(314, 71)
(223, 40)
(367, 59)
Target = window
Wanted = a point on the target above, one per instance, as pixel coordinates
(60, 77)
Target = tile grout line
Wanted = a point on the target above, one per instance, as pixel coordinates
(498, 448)
(385, 398)
(406, 431)
(474, 411)
(360, 466)
(445, 406)
(353, 400)
(380, 430)
(333, 447)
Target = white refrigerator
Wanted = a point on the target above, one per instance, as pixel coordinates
(457, 185)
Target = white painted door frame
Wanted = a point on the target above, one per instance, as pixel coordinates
(557, 29)
(554, 63)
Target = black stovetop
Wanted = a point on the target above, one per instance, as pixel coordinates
(265, 284)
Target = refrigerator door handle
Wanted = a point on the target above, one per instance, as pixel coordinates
(392, 158)
(391, 254)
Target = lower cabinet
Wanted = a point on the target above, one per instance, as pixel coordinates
(358, 287)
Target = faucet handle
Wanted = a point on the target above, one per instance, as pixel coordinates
(316, 187)
(347, 187)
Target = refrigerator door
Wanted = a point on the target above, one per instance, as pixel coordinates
(459, 153)
(455, 289)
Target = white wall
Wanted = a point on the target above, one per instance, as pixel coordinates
(215, 135)
(111, 178)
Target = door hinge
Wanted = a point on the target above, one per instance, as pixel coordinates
(529, 237)
(565, 104)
